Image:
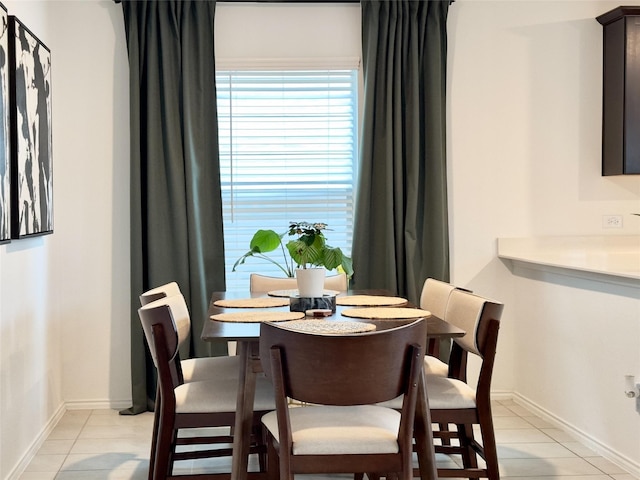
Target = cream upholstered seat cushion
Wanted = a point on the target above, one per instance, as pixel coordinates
(449, 393)
(210, 368)
(435, 366)
(443, 393)
(220, 396)
(329, 430)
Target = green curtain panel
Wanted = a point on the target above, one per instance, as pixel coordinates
(176, 205)
(401, 229)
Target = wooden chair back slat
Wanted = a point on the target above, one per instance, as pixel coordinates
(361, 368)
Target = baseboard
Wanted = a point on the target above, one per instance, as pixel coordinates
(627, 464)
(98, 404)
(615, 457)
(501, 395)
(36, 444)
(53, 421)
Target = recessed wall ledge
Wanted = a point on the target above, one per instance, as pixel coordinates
(609, 258)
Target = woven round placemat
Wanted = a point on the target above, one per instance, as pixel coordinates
(261, 302)
(369, 300)
(325, 327)
(294, 293)
(386, 312)
(257, 316)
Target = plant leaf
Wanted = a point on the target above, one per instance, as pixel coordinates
(304, 254)
(347, 266)
(332, 257)
(264, 241)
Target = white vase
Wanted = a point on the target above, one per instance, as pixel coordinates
(310, 282)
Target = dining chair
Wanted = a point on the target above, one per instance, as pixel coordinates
(262, 283)
(195, 369)
(192, 405)
(453, 400)
(337, 282)
(434, 298)
(341, 377)
(433, 364)
(190, 369)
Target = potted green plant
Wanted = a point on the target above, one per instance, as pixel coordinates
(307, 250)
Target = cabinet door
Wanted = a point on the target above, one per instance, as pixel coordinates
(621, 91)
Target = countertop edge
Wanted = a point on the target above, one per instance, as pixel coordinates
(615, 256)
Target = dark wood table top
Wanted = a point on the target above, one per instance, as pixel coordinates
(216, 330)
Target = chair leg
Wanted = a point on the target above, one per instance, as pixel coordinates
(433, 347)
(444, 427)
(273, 467)
(283, 464)
(490, 451)
(154, 442)
(261, 436)
(465, 434)
(164, 447)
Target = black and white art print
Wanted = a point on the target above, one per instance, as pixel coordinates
(5, 196)
(31, 156)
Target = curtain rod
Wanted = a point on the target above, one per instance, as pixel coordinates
(288, 1)
(279, 1)
(297, 1)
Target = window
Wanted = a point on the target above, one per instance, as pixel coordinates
(288, 150)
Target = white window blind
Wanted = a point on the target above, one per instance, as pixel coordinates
(288, 150)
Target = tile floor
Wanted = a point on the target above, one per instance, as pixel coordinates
(100, 444)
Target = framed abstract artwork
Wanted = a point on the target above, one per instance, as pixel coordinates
(5, 196)
(30, 130)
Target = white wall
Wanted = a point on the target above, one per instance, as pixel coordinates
(64, 298)
(524, 153)
(30, 354)
(287, 31)
(525, 80)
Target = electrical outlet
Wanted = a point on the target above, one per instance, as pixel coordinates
(612, 221)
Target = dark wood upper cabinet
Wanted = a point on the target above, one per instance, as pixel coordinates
(621, 91)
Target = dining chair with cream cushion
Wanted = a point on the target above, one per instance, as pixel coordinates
(262, 283)
(192, 405)
(453, 400)
(338, 282)
(167, 290)
(341, 376)
(194, 369)
(190, 369)
(434, 298)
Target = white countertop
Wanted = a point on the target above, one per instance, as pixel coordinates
(610, 255)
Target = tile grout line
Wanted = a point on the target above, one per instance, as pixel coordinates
(518, 413)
